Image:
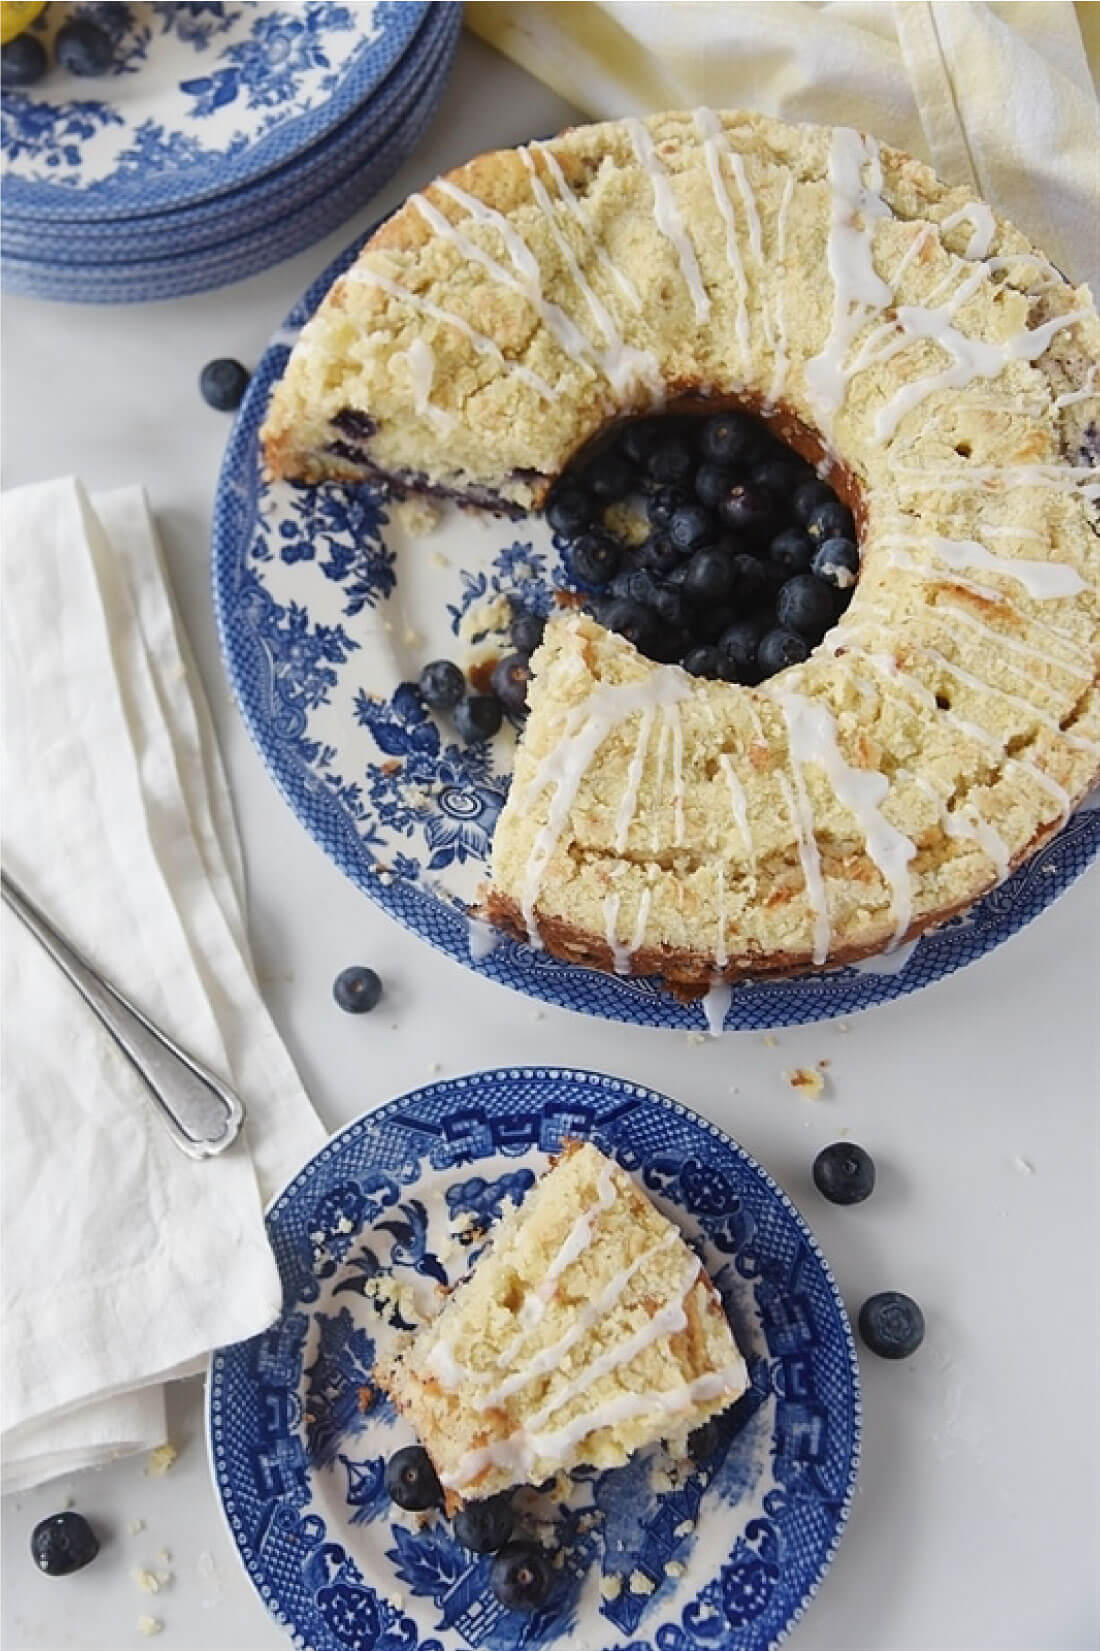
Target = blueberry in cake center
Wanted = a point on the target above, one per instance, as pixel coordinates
(707, 543)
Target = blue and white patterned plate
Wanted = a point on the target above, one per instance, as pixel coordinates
(201, 99)
(328, 606)
(261, 203)
(725, 1558)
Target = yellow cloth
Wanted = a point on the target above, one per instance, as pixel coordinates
(995, 96)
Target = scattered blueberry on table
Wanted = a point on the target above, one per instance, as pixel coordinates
(83, 48)
(844, 1173)
(23, 61)
(222, 384)
(411, 1480)
(748, 559)
(63, 1543)
(521, 1577)
(891, 1324)
(357, 989)
(484, 1527)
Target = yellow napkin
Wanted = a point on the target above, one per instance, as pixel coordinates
(995, 96)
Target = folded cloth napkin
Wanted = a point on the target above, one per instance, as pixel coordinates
(996, 97)
(124, 1262)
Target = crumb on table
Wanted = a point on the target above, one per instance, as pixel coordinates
(807, 1080)
(611, 1586)
(640, 1583)
(149, 1626)
(160, 1460)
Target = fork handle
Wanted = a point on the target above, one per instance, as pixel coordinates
(202, 1115)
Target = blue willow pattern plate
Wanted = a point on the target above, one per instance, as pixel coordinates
(328, 606)
(722, 1558)
(201, 98)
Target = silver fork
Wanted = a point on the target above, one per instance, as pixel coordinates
(202, 1116)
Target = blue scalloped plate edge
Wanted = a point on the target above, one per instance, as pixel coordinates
(581, 1075)
(754, 1006)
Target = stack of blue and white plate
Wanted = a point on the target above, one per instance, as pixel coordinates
(223, 139)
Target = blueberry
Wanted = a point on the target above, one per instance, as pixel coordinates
(478, 717)
(792, 550)
(748, 509)
(712, 620)
(659, 553)
(637, 440)
(704, 1441)
(668, 604)
(22, 62)
(728, 437)
(837, 562)
(709, 576)
(671, 462)
(630, 619)
(411, 1480)
(891, 1324)
(830, 521)
(521, 1577)
(663, 503)
(594, 559)
(844, 1173)
(810, 496)
(701, 661)
(526, 631)
(610, 477)
(63, 1543)
(778, 476)
(639, 584)
(484, 1527)
(510, 679)
(780, 648)
(358, 989)
(570, 509)
(441, 685)
(711, 485)
(806, 604)
(82, 48)
(690, 526)
(736, 652)
(670, 643)
(750, 580)
(223, 382)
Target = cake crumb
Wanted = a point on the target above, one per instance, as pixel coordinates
(807, 1080)
(165, 1556)
(365, 1398)
(540, 1014)
(434, 1066)
(673, 1567)
(160, 1460)
(136, 1526)
(841, 1026)
(611, 1586)
(411, 638)
(414, 515)
(684, 1528)
(146, 1581)
(1024, 1165)
(439, 560)
(771, 1040)
(150, 1626)
(697, 1037)
(641, 1584)
(164, 1578)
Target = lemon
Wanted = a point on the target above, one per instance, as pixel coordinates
(17, 15)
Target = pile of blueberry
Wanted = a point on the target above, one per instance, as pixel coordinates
(749, 557)
(476, 715)
(84, 46)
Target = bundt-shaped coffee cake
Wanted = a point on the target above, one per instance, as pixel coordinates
(895, 331)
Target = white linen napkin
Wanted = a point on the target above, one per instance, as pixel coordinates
(124, 1262)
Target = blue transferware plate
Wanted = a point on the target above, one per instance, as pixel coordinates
(328, 606)
(721, 1558)
(235, 258)
(254, 205)
(200, 99)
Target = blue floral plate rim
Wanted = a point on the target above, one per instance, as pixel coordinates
(754, 1005)
(578, 1103)
(145, 183)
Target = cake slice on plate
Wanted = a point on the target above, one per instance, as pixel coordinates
(587, 1330)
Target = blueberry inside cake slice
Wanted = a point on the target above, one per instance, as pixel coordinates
(587, 1330)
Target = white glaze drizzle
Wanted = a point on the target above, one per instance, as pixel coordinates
(621, 279)
(721, 952)
(739, 807)
(421, 364)
(626, 368)
(983, 227)
(482, 938)
(782, 361)
(967, 824)
(1070, 398)
(586, 728)
(798, 807)
(628, 803)
(620, 955)
(517, 1454)
(858, 291)
(716, 1003)
(673, 713)
(1043, 581)
(710, 132)
(812, 737)
(1059, 477)
(670, 222)
(662, 759)
(484, 345)
(641, 922)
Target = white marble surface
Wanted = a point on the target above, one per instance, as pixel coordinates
(975, 1524)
